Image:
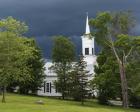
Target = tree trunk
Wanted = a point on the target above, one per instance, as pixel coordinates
(3, 94)
(63, 96)
(82, 100)
(0, 91)
(64, 82)
(124, 86)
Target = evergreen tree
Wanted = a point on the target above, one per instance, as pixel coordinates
(79, 80)
(63, 55)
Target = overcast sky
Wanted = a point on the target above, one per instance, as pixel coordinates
(47, 18)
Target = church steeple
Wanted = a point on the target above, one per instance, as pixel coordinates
(87, 26)
(87, 42)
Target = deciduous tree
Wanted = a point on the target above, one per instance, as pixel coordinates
(108, 26)
(18, 56)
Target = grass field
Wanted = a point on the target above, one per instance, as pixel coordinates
(18, 103)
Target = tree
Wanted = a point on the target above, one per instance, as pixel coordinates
(79, 80)
(36, 65)
(18, 56)
(133, 76)
(63, 54)
(12, 25)
(13, 58)
(106, 79)
(108, 26)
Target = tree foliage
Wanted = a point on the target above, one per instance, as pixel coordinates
(79, 80)
(106, 81)
(16, 53)
(62, 56)
(111, 29)
(36, 65)
(12, 25)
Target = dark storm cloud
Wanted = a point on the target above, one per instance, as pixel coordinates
(62, 17)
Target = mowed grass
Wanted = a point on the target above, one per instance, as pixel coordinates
(19, 103)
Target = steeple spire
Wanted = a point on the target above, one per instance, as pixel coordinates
(87, 26)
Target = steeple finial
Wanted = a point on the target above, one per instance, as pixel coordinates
(87, 26)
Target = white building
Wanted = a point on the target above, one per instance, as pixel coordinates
(88, 50)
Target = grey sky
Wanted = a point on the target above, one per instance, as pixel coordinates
(62, 17)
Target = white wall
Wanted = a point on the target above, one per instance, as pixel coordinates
(87, 43)
(53, 90)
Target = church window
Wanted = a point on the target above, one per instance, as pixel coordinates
(56, 88)
(44, 87)
(47, 87)
(92, 51)
(50, 87)
(86, 51)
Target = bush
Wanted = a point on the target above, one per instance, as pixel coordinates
(135, 101)
(103, 98)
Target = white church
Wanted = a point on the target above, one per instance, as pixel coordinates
(88, 50)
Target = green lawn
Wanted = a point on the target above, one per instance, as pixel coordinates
(18, 103)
